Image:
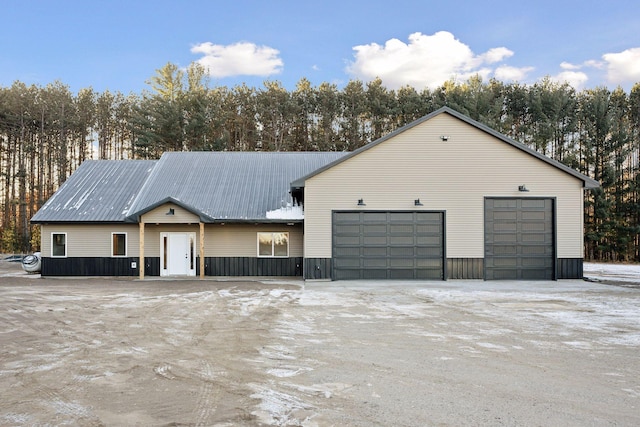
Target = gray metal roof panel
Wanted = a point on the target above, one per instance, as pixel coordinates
(98, 191)
(234, 186)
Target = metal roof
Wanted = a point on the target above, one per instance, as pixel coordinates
(98, 191)
(588, 182)
(232, 186)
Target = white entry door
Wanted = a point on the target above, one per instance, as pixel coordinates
(177, 252)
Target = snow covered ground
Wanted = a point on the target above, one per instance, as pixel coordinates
(629, 273)
(106, 351)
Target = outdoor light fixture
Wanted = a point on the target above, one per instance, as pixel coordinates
(444, 137)
(171, 211)
(416, 202)
(361, 202)
(523, 188)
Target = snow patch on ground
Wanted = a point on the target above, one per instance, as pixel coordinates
(614, 272)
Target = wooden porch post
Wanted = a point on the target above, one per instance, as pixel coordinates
(141, 265)
(202, 250)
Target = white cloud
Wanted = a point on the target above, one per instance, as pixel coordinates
(506, 73)
(238, 59)
(594, 64)
(425, 61)
(496, 54)
(569, 66)
(623, 67)
(576, 79)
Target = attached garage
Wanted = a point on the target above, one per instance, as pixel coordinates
(388, 245)
(444, 197)
(519, 239)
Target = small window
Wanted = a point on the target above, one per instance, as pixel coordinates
(59, 245)
(118, 244)
(273, 244)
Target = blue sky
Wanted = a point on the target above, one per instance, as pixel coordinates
(117, 45)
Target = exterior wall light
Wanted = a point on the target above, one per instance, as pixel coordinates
(523, 188)
(361, 202)
(416, 202)
(171, 211)
(444, 137)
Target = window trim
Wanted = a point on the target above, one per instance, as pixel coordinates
(66, 244)
(272, 244)
(126, 244)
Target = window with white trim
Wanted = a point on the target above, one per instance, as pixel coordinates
(273, 244)
(59, 245)
(118, 244)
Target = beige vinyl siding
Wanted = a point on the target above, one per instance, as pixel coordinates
(453, 176)
(229, 240)
(240, 240)
(90, 240)
(180, 216)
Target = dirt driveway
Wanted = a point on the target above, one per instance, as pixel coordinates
(94, 352)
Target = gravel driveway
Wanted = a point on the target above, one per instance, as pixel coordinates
(110, 352)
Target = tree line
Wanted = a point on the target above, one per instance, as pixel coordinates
(46, 132)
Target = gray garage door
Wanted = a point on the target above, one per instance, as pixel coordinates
(519, 239)
(388, 245)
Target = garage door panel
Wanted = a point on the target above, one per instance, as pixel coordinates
(401, 274)
(434, 274)
(504, 216)
(350, 217)
(504, 250)
(368, 251)
(502, 203)
(505, 274)
(372, 274)
(347, 274)
(380, 217)
(401, 229)
(374, 262)
(374, 240)
(533, 238)
(423, 217)
(505, 237)
(429, 263)
(535, 226)
(536, 274)
(534, 203)
(429, 252)
(347, 262)
(346, 240)
(402, 251)
(401, 262)
(345, 251)
(498, 227)
(398, 217)
(533, 216)
(400, 240)
(536, 262)
(434, 241)
(408, 245)
(429, 228)
(374, 229)
(350, 229)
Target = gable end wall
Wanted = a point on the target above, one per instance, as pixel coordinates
(453, 176)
